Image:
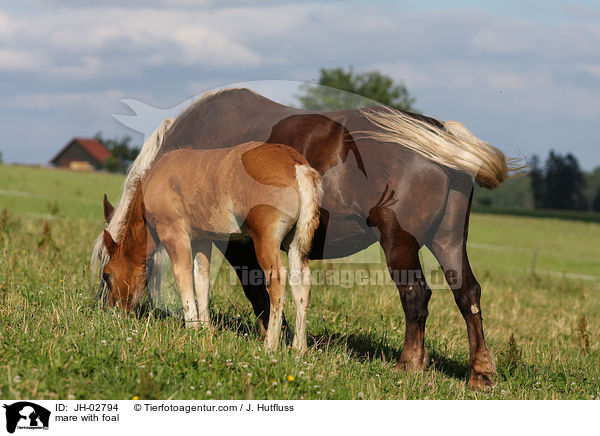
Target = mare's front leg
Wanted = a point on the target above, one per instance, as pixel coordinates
(177, 243)
(202, 251)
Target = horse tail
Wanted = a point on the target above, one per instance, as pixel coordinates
(311, 192)
(451, 145)
(138, 169)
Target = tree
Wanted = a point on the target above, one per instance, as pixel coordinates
(360, 90)
(596, 201)
(592, 180)
(123, 153)
(565, 183)
(112, 165)
(538, 183)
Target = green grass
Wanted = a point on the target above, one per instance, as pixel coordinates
(52, 192)
(55, 342)
(572, 215)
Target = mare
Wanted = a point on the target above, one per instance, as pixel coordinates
(402, 179)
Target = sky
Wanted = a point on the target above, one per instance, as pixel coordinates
(522, 75)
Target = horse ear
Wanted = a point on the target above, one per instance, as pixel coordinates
(109, 243)
(108, 209)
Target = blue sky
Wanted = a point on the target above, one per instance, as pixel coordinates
(522, 75)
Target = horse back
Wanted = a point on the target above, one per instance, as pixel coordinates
(355, 170)
(213, 191)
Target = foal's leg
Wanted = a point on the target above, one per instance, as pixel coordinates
(300, 284)
(242, 257)
(269, 258)
(202, 279)
(402, 255)
(178, 246)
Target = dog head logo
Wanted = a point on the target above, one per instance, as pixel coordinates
(26, 415)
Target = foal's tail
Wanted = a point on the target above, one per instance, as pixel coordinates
(452, 145)
(311, 192)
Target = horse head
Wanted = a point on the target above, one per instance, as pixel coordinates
(125, 272)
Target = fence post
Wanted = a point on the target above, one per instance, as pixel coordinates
(535, 256)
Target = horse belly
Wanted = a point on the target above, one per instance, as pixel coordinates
(221, 225)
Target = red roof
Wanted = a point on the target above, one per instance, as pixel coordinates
(95, 148)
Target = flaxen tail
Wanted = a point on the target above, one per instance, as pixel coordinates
(311, 192)
(453, 145)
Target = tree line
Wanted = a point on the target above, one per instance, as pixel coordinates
(562, 184)
(123, 153)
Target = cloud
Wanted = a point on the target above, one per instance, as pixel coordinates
(18, 60)
(458, 63)
(96, 40)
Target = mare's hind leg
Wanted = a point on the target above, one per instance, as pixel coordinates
(402, 255)
(467, 294)
(449, 246)
(202, 279)
(300, 284)
(178, 246)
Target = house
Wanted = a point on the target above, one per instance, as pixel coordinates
(83, 154)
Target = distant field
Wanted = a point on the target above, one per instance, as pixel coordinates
(66, 194)
(56, 343)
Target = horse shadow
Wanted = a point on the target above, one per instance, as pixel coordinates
(360, 346)
(364, 347)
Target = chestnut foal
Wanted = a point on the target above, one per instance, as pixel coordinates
(260, 191)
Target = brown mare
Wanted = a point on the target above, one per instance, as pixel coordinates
(402, 179)
(190, 198)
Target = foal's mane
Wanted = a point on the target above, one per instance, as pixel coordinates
(131, 218)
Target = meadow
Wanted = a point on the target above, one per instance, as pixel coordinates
(541, 304)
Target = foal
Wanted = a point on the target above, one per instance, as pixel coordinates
(260, 191)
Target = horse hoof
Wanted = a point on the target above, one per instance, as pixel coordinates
(481, 382)
(417, 364)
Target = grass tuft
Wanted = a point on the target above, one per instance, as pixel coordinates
(513, 354)
(583, 334)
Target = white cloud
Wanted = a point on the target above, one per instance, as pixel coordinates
(46, 101)
(18, 60)
(593, 69)
(451, 60)
(94, 40)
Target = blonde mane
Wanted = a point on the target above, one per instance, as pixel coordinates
(453, 146)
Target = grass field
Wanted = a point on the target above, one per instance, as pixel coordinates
(55, 342)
